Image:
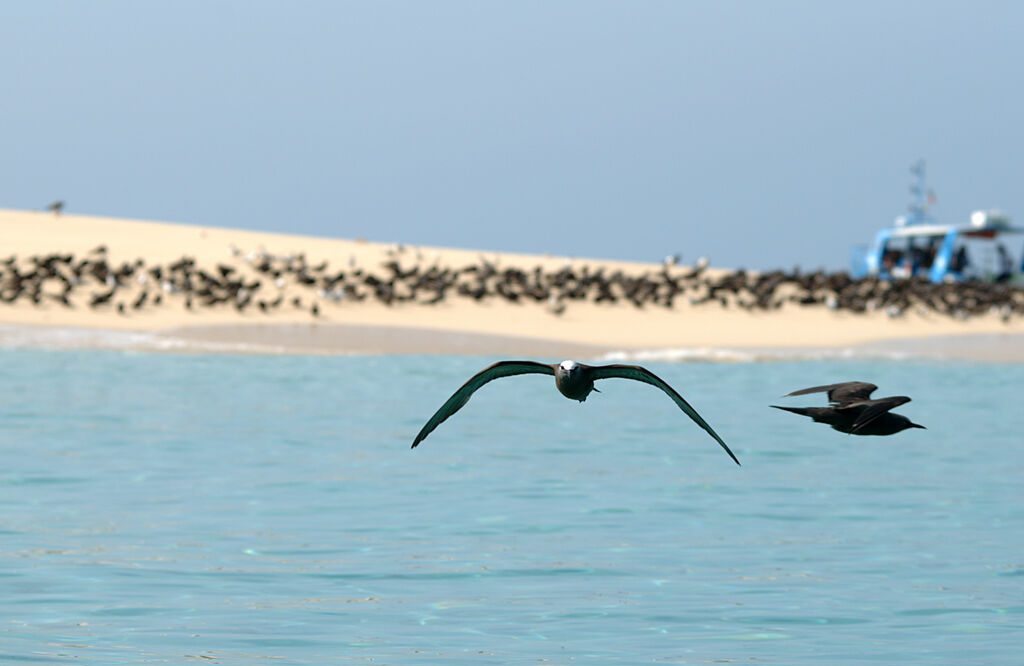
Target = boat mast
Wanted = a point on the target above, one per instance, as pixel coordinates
(923, 197)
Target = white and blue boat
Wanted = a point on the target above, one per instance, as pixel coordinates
(918, 246)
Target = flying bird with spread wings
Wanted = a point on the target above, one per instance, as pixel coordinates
(573, 380)
(852, 410)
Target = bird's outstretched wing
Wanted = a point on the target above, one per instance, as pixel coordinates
(461, 397)
(841, 393)
(644, 375)
(875, 409)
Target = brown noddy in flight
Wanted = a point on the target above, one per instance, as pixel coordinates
(573, 380)
(851, 409)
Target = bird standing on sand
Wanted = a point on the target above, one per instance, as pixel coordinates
(573, 380)
(851, 409)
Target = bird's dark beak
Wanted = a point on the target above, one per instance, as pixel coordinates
(915, 425)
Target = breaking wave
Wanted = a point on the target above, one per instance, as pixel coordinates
(725, 355)
(15, 336)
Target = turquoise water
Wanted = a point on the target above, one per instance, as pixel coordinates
(161, 508)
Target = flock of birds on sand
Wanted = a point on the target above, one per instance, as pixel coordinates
(851, 408)
(262, 282)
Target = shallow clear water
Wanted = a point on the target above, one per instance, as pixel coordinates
(267, 510)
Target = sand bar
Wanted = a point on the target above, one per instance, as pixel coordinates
(456, 325)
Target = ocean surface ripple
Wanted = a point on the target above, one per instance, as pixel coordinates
(238, 509)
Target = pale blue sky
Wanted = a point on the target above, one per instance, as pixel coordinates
(760, 134)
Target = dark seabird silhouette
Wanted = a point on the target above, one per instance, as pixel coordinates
(573, 380)
(851, 409)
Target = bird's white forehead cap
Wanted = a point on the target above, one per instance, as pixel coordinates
(567, 365)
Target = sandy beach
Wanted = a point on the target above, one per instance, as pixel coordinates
(309, 322)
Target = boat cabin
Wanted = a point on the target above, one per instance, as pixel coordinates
(944, 253)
